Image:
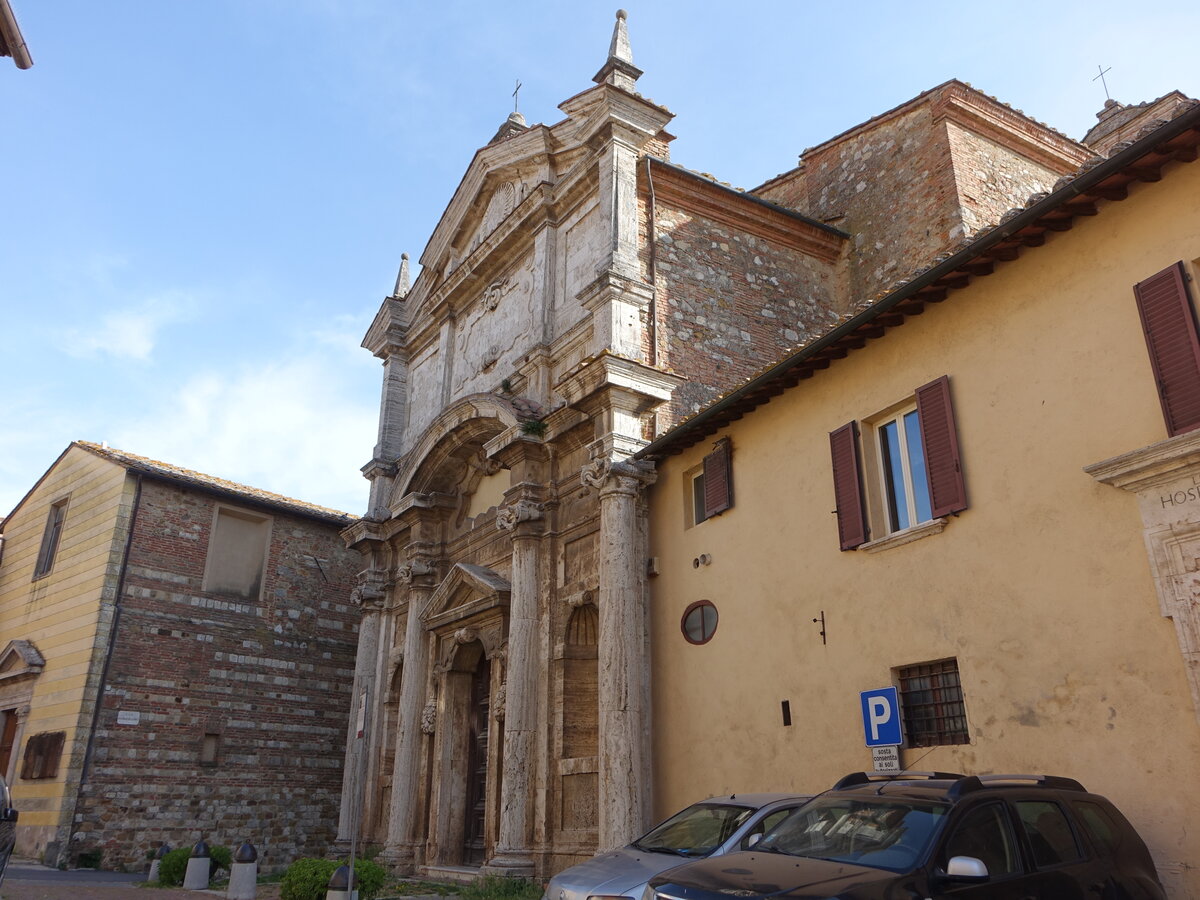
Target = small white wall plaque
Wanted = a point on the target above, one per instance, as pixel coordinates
(128, 717)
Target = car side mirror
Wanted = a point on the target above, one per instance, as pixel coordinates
(8, 815)
(966, 869)
(753, 840)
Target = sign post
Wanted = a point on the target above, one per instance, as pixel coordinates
(881, 727)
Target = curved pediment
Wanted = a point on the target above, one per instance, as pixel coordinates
(466, 591)
(451, 447)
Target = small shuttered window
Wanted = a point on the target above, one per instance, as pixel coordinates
(718, 479)
(1169, 323)
(847, 486)
(947, 490)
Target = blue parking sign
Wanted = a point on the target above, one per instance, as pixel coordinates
(881, 717)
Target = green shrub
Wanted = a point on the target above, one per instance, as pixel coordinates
(499, 887)
(308, 879)
(173, 867)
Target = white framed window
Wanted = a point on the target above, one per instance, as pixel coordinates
(903, 479)
(50, 538)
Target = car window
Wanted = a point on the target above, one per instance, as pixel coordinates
(1049, 832)
(882, 833)
(696, 831)
(984, 834)
(766, 823)
(1104, 832)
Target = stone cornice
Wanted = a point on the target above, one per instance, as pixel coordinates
(606, 370)
(1010, 129)
(1151, 465)
(388, 332)
(697, 194)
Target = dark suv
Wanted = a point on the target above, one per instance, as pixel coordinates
(934, 834)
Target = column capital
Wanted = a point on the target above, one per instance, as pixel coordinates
(371, 591)
(520, 512)
(618, 476)
(414, 569)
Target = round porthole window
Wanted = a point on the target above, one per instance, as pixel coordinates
(699, 622)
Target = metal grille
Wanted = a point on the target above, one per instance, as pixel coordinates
(931, 696)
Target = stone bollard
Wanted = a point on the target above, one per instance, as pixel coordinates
(339, 885)
(163, 850)
(243, 874)
(199, 869)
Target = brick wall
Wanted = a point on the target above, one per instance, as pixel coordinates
(737, 283)
(914, 182)
(269, 675)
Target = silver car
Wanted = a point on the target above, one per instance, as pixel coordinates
(710, 828)
(8, 828)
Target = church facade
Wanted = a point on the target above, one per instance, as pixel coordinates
(580, 296)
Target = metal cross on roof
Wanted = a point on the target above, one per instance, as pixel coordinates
(1101, 79)
(516, 99)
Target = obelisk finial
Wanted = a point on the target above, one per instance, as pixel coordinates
(401, 290)
(619, 70)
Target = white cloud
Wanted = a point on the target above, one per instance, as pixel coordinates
(298, 427)
(127, 333)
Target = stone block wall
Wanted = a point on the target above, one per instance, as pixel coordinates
(267, 678)
(729, 302)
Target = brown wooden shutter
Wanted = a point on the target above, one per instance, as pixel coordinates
(718, 480)
(847, 486)
(935, 411)
(1169, 322)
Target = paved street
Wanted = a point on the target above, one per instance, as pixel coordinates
(31, 881)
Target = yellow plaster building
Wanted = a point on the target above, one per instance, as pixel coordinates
(976, 489)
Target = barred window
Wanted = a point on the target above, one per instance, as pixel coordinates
(932, 699)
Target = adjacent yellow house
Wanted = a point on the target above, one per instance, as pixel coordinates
(175, 658)
(954, 491)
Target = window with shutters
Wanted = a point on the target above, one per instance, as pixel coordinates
(898, 472)
(1169, 324)
(709, 487)
(50, 538)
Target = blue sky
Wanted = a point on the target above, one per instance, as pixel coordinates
(204, 204)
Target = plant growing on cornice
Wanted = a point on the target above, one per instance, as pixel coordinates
(506, 386)
(535, 427)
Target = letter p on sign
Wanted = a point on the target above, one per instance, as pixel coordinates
(881, 717)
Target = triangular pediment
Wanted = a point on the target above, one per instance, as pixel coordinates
(466, 590)
(20, 659)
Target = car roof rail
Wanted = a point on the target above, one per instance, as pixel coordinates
(856, 778)
(981, 782)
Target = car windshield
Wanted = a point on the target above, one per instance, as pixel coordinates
(696, 831)
(879, 832)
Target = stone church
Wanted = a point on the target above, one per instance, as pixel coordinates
(580, 295)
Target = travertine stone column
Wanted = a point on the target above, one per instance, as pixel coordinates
(402, 831)
(624, 662)
(513, 856)
(369, 595)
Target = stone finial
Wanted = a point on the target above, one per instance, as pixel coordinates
(402, 285)
(619, 70)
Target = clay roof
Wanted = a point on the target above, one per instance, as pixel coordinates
(1160, 142)
(180, 475)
